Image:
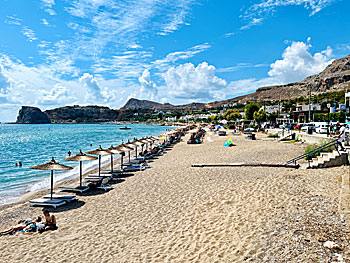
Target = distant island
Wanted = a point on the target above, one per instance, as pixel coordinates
(333, 81)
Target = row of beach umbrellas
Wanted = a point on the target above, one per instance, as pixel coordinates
(80, 157)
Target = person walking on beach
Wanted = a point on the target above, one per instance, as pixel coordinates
(341, 137)
(331, 129)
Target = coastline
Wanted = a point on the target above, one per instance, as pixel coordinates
(64, 178)
(173, 212)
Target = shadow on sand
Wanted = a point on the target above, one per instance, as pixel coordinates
(72, 205)
(126, 175)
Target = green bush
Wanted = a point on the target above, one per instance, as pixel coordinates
(310, 148)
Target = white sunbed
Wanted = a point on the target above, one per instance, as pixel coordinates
(96, 178)
(74, 189)
(104, 185)
(47, 202)
(67, 198)
(134, 168)
(110, 173)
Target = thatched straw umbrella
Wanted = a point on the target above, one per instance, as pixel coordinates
(99, 151)
(80, 157)
(116, 150)
(125, 148)
(52, 166)
(137, 143)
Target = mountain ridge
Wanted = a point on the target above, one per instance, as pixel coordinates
(335, 77)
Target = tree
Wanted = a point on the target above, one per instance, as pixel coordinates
(232, 115)
(249, 110)
(260, 116)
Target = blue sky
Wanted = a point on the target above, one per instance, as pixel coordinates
(103, 52)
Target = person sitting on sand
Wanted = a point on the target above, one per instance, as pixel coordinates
(50, 222)
(22, 224)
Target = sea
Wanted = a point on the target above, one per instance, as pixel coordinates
(34, 144)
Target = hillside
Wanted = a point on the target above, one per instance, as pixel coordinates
(145, 104)
(82, 113)
(133, 104)
(334, 77)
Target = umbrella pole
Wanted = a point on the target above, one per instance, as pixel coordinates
(111, 163)
(99, 166)
(81, 172)
(129, 157)
(51, 183)
(121, 163)
(136, 152)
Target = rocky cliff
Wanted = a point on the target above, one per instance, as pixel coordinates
(145, 104)
(334, 77)
(32, 115)
(83, 114)
(151, 105)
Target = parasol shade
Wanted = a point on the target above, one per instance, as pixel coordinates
(124, 148)
(81, 157)
(99, 151)
(115, 149)
(52, 166)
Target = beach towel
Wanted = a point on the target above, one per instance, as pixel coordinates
(228, 143)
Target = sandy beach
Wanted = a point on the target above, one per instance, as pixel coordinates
(173, 212)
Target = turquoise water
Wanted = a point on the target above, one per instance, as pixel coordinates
(36, 144)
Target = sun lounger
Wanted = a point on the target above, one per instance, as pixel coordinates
(47, 202)
(104, 185)
(67, 198)
(101, 175)
(93, 179)
(72, 189)
(134, 168)
(132, 162)
(115, 172)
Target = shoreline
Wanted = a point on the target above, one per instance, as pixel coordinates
(174, 212)
(71, 179)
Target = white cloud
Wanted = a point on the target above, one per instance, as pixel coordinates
(120, 23)
(13, 20)
(257, 12)
(163, 64)
(177, 17)
(253, 22)
(148, 87)
(297, 63)
(29, 33)
(135, 46)
(58, 95)
(188, 82)
(47, 5)
(240, 66)
(44, 22)
(92, 88)
(5, 82)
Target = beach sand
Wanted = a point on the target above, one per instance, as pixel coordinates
(173, 212)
